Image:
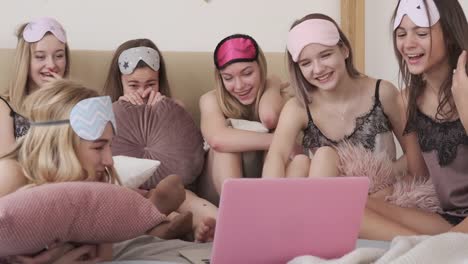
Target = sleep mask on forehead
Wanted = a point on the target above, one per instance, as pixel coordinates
(319, 31)
(129, 59)
(235, 48)
(36, 29)
(418, 12)
(88, 118)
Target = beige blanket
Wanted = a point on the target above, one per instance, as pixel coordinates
(444, 248)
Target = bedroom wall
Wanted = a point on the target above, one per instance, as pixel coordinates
(175, 25)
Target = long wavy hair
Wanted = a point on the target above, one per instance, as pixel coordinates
(301, 86)
(113, 86)
(455, 32)
(48, 154)
(19, 87)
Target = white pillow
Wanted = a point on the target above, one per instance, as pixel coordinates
(133, 172)
(247, 125)
(241, 124)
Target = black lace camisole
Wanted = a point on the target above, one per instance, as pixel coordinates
(20, 123)
(373, 130)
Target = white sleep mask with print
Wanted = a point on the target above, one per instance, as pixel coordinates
(88, 118)
(417, 12)
(128, 59)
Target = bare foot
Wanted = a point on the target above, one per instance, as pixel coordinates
(168, 195)
(204, 231)
(177, 227)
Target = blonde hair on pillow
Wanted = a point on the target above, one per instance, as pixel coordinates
(48, 153)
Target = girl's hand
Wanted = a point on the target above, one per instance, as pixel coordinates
(460, 89)
(54, 76)
(154, 98)
(137, 97)
(460, 78)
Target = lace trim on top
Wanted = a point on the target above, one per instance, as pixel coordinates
(20, 123)
(444, 137)
(367, 127)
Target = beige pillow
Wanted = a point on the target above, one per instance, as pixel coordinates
(133, 172)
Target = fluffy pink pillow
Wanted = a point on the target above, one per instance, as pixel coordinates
(86, 212)
(164, 132)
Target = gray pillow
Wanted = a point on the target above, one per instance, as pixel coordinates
(164, 132)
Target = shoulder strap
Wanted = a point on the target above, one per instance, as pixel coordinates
(309, 115)
(12, 112)
(377, 86)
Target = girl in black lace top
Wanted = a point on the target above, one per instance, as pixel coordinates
(41, 56)
(432, 55)
(335, 105)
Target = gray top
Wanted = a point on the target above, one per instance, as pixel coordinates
(445, 151)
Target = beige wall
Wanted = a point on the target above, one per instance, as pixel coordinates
(175, 25)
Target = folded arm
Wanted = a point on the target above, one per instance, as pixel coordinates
(222, 138)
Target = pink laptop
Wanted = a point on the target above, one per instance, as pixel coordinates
(275, 220)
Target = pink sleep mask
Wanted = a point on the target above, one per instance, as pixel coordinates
(37, 28)
(235, 48)
(319, 31)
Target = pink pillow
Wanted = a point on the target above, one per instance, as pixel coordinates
(164, 132)
(83, 212)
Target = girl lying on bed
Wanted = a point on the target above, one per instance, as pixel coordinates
(69, 141)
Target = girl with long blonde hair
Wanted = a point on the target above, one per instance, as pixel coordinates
(243, 91)
(42, 55)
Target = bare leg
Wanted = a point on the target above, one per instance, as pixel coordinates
(204, 216)
(298, 167)
(384, 221)
(168, 195)
(219, 167)
(413, 218)
(324, 163)
(374, 226)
